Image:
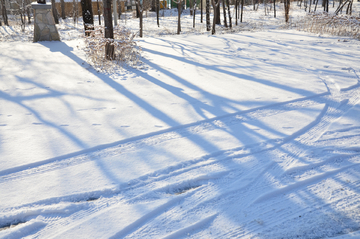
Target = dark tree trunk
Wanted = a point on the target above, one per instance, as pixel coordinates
(224, 13)
(139, 8)
(98, 11)
(157, 12)
(236, 12)
(310, 6)
(287, 9)
(242, 10)
(55, 12)
(194, 14)
(208, 26)
(28, 12)
(179, 6)
(87, 14)
(217, 12)
(201, 6)
(316, 5)
(215, 7)
(275, 8)
(62, 5)
(228, 4)
(109, 32)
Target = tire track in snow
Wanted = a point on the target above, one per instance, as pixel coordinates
(256, 185)
(157, 137)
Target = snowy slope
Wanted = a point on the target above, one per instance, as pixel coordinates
(246, 135)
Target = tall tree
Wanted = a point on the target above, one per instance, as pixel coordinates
(215, 7)
(228, 4)
(87, 14)
(217, 12)
(55, 12)
(275, 7)
(4, 13)
(179, 8)
(62, 5)
(98, 11)
(242, 10)
(109, 31)
(139, 8)
(194, 13)
(287, 10)
(224, 12)
(201, 6)
(208, 26)
(157, 2)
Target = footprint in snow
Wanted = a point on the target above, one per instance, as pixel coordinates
(3, 125)
(64, 125)
(96, 124)
(37, 123)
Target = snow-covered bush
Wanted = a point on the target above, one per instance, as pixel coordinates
(331, 24)
(126, 50)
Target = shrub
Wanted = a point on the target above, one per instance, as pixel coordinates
(126, 50)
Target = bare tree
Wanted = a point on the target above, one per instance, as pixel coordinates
(215, 7)
(98, 11)
(242, 10)
(62, 5)
(179, 8)
(55, 12)
(4, 13)
(194, 13)
(201, 6)
(208, 26)
(157, 4)
(87, 14)
(228, 4)
(109, 31)
(75, 11)
(275, 8)
(139, 8)
(224, 12)
(287, 9)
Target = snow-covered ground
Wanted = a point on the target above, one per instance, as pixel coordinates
(253, 134)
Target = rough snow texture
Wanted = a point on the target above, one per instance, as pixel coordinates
(246, 135)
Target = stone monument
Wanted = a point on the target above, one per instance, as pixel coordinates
(44, 24)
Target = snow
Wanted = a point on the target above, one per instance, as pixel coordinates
(243, 134)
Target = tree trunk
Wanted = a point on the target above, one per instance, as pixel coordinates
(201, 6)
(217, 12)
(109, 32)
(287, 9)
(194, 14)
(208, 26)
(62, 5)
(275, 8)
(4, 13)
(28, 12)
(75, 11)
(228, 4)
(236, 12)
(87, 14)
(224, 12)
(242, 10)
(55, 12)
(98, 11)
(215, 7)
(157, 12)
(179, 6)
